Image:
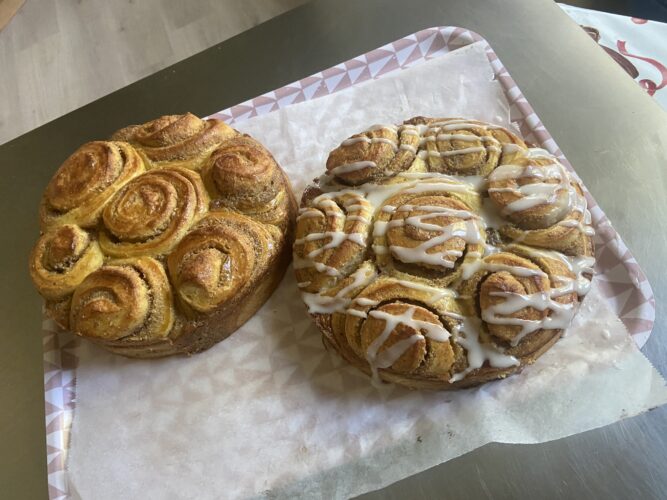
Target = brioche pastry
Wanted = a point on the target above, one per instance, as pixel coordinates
(165, 239)
(442, 253)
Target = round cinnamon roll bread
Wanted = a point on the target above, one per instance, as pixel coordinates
(165, 239)
(442, 253)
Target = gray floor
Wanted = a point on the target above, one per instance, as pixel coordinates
(57, 55)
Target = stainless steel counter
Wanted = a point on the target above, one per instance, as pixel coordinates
(612, 132)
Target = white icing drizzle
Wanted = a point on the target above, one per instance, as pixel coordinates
(380, 250)
(579, 266)
(463, 137)
(360, 218)
(352, 167)
(380, 228)
(363, 301)
(388, 357)
(369, 140)
(309, 214)
(441, 154)
(376, 194)
(559, 316)
(510, 148)
(458, 125)
(436, 293)
(587, 230)
(307, 210)
(476, 182)
(437, 211)
(301, 263)
(539, 193)
(539, 153)
(440, 186)
(468, 230)
(324, 203)
(470, 268)
(488, 250)
(361, 204)
(355, 205)
(477, 352)
(324, 304)
(414, 130)
(337, 237)
(306, 213)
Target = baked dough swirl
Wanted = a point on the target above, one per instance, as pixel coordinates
(242, 175)
(331, 238)
(461, 146)
(59, 262)
(62, 258)
(176, 140)
(149, 215)
(381, 150)
(225, 267)
(544, 206)
(165, 240)
(440, 273)
(86, 180)
(124, 299)
(429, 230)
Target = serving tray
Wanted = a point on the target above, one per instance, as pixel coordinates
(620, 279)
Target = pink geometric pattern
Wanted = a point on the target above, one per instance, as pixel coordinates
(623, 283)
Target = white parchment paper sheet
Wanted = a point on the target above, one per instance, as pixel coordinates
(269, 412)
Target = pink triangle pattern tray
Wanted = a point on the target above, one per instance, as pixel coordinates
(619, 276)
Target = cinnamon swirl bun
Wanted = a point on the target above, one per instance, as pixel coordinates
(406, 269)
(164, 240)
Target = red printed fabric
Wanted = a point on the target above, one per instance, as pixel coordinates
(639, 46)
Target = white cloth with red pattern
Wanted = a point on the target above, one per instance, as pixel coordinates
(638, 45)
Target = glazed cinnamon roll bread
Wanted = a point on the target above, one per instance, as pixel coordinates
(165, 239)
(442, 253)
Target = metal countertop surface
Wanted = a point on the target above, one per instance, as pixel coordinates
(614, 134)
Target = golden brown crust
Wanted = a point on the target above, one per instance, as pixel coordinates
(86, 180)
(149, 215)
(182, 140)
(405, 278)
(379, 152)
(62, 258)
(461, 146)
(242, 175)
(124, 299)
(112, 230)
(221, 259)
(558, 221)
(431, 212)
(346, 215)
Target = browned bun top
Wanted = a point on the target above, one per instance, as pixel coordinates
(442, 252)
(165, 239)
(182, 139)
